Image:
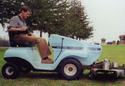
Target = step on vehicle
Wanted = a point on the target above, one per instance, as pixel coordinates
(70, 56)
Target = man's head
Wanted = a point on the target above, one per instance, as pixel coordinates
(25, 12)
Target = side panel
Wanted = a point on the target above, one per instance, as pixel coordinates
(72, 54)
(31, 55)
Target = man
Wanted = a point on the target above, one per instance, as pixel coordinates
(19, 29)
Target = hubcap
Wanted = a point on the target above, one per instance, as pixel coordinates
(9, 71)
(70, 69)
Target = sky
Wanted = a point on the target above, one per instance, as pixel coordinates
(3, 32)
(107, 18)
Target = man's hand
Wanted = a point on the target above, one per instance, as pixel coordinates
(24, 28)
(30, 34)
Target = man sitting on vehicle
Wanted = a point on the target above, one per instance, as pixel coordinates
(19, 29)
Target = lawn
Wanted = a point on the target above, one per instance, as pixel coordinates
(112, 52)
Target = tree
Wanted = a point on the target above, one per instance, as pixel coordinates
(76, 24)
(48, 15)
(52, 16)
(103, 41)
(9, 8)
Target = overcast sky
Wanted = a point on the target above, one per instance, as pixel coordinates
(107, 18)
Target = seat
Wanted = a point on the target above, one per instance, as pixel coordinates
(14, 43)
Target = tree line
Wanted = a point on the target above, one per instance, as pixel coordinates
(63, 17)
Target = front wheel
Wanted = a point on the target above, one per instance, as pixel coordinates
(10, 71)
(70, 69)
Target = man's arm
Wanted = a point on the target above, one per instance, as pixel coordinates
(15, 29)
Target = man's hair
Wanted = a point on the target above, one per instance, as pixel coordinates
(25, 9)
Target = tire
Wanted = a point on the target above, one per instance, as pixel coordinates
(10, 71)
(70, 69)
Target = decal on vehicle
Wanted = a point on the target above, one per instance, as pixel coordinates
(68, 47)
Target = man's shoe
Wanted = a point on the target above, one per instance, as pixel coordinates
(47, 61)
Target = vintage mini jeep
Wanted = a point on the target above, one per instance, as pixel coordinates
(70, 58)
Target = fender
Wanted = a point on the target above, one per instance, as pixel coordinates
(18, 61)
(75, 55)
(66, 58)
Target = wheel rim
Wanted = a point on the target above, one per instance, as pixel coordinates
(70, 69)
(9, 71)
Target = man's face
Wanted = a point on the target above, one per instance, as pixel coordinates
(26, 14)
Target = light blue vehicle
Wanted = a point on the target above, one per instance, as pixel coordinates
(70, 57)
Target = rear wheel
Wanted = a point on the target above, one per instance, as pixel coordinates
(70, 69)
(10, 71)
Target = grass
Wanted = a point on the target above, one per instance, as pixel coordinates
(114, 53)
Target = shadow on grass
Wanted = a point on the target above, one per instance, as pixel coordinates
(56, 76)
(42, 75)
(105, 78)
(46, 75)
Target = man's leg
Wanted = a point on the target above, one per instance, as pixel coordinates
(41, 44)
(44, 50)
